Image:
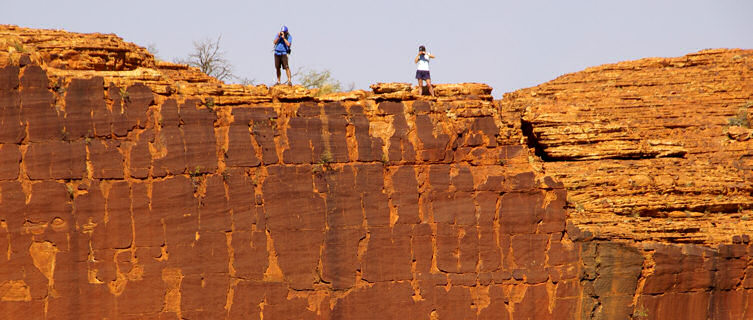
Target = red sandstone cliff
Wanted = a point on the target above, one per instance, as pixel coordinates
(131, 188)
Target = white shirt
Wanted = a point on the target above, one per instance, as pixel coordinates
(423, 62)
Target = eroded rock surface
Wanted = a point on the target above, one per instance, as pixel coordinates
(651, 138)
(131, 188)
(655, 154)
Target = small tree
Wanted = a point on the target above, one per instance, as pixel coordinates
(210, 59)
(321, 80)
(152, 48)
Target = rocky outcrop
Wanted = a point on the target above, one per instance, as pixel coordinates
(134, 188)
(148, 192)
(662, 138)
(655, 154)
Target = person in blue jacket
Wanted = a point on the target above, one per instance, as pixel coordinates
(282, 42)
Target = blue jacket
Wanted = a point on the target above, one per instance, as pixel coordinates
(280, 47)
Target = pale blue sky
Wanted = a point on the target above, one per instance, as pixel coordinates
(507, 44)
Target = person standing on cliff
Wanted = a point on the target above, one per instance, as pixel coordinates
(282, 42)
(422, 70)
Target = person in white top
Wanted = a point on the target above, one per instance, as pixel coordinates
(422, 70)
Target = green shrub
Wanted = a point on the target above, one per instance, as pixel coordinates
(741, 120)
(321, 80)
(19, 47)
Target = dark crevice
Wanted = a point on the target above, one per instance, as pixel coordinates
(533, 142)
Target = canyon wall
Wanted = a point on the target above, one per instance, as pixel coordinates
(656, 154)
(132, 188)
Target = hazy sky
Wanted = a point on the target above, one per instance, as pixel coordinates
(507, 44)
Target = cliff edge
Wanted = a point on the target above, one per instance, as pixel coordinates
(135, 188)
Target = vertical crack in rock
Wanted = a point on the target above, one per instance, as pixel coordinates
(4, 228)
(43, 255)
(531, 139)
(172, 277)
(273, 272)
(610, 280)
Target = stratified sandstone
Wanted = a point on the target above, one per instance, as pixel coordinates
(132, 188)
(655, 153)
(650, 138)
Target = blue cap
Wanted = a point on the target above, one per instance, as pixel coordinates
(284, 29)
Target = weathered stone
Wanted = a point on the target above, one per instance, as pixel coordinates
(305, 139)
(640, 152)
(616, 269)
(400, 147)
(340, 256)
(43, 117)
(434, 148)
(212, 200)
(369, 148)
(107, 161)
(250, 254)
(241, 152)
(82, 98)
(388, 256)
(117, 228)
(361, 303)
(10, 159)
(171, 158)
(198, 124)
(11, 127)
(519, 212)
(56, 160)
(264, 132)
(148, 227)
(337, 128)
(175, 195)
(136, 103)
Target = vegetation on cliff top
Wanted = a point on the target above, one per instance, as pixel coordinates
(209, 57)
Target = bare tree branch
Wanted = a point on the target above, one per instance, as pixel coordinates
(210, 59)
(152, 48)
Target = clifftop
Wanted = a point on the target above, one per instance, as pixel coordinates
(67, 55)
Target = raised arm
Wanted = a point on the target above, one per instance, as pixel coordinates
(430, 55)
(418, 56)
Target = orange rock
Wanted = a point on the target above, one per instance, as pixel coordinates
(652, 122)
(739, 133)
(134, 188)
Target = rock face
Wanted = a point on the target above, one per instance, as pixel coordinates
(131, 188)
(655, 154)
(663, 138)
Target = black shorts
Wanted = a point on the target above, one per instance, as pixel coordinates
(281, 60)
(423, 75)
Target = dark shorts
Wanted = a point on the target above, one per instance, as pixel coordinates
(423, 75)
(281, 60)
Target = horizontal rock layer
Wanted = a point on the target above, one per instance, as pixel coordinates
(659, 137)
